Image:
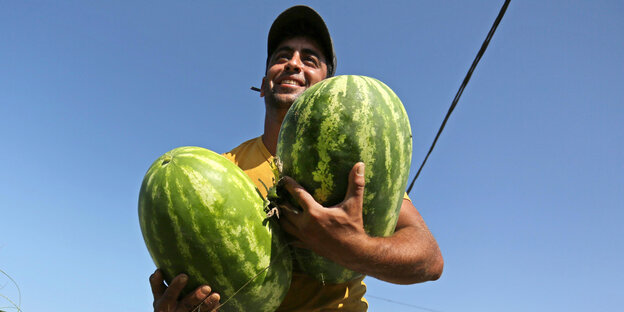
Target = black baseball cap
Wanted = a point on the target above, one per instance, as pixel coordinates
(302, 20)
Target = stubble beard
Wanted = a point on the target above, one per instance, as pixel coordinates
(280, 101)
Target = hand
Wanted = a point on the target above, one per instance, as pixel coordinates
(333, 232)
(166, 298)
(410, 255)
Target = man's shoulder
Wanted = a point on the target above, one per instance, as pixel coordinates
(243, 146)
(241, 149)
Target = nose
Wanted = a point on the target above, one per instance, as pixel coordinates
(294, 63)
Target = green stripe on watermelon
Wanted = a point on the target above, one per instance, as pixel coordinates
(330, 127)
(201, 215)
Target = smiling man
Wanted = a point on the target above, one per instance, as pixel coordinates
(285, 78)
(299, 54)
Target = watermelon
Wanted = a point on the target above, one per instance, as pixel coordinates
(202, 215)
(330, 127)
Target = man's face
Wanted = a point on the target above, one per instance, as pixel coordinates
(296, 64)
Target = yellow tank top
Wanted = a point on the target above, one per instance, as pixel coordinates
(306, 293)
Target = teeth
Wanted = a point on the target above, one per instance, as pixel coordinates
(290, 82)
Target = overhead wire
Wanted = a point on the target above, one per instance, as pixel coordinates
(448, 114)
(462, 87)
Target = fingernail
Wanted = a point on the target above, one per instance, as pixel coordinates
(205, 290)
(360, 170)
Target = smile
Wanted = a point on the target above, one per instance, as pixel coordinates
(290, 82)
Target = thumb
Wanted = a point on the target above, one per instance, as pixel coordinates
(355, 190)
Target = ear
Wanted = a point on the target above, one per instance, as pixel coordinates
(262, 86)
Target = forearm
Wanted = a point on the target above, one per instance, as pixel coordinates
(409, 256)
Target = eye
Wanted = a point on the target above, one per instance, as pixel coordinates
(311, 60)
(282, 57)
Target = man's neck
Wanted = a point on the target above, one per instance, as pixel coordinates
(273, 118)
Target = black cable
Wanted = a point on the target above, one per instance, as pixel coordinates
(463, 85)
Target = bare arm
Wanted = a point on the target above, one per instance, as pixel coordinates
(410, 255)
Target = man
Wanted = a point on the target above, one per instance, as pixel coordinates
(299, 54)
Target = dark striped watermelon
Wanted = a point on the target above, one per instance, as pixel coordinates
(330, 127)
(201, 215)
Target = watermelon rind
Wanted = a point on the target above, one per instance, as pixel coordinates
(202, 215)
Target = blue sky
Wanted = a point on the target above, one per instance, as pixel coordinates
(524, 191)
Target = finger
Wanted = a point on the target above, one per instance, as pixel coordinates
(288, 222)
(211, 303)
(287, 206)
(355, 190)
(172, 292)
(200, 297)
(156, 282)
(303, 198)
